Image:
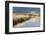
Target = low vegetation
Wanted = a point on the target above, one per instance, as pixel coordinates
(21, 18)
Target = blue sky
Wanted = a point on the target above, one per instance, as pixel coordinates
(25, 10)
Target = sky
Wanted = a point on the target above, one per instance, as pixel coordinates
(25, 10)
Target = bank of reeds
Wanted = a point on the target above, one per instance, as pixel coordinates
(20, 20)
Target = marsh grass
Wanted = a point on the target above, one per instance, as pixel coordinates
(20, 20)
